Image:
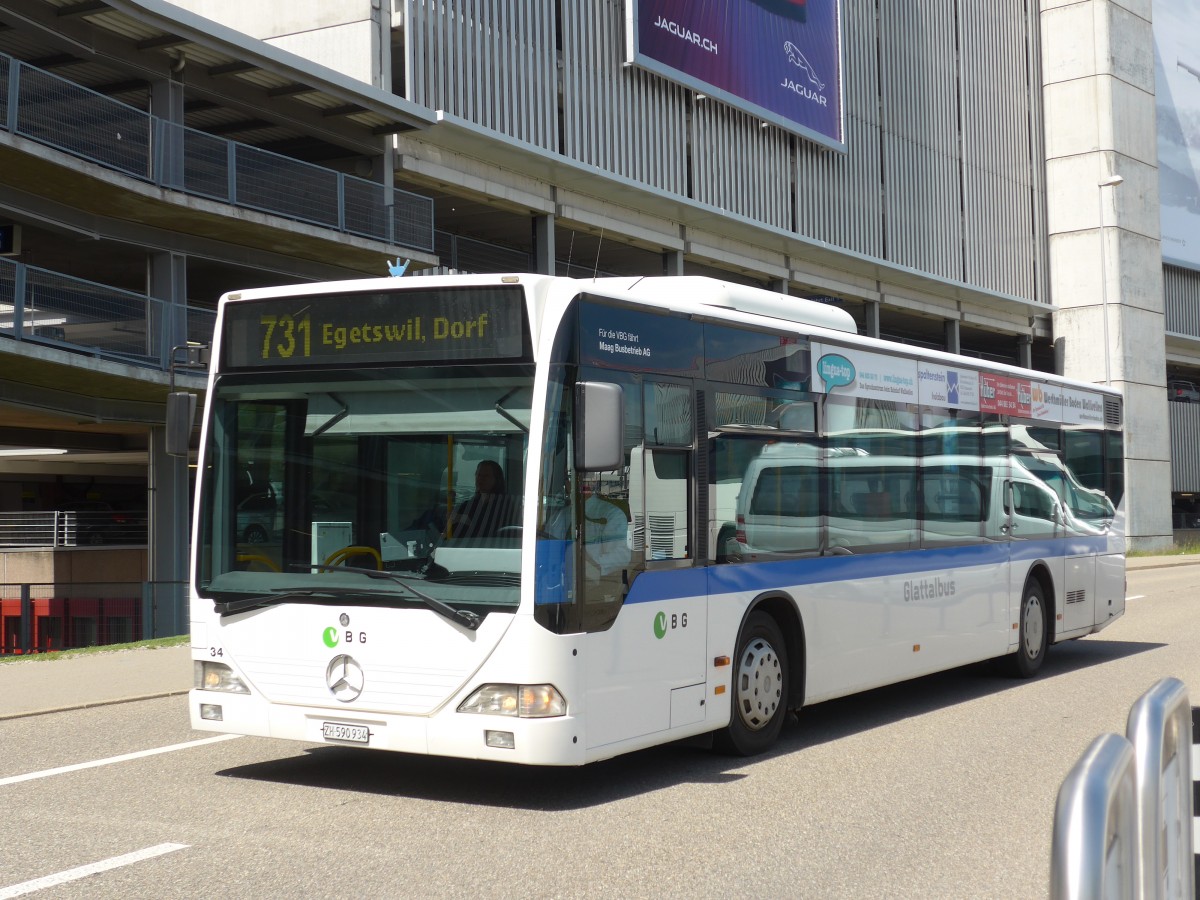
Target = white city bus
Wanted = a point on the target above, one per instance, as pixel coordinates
(548, 521)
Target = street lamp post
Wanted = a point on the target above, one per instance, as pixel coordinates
(1110, 181)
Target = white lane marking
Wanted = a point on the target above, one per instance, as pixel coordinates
(28, 887)
(46, 773)
(1135, 597)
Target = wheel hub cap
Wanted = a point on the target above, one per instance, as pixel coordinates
(1033, 627)
(759, 684)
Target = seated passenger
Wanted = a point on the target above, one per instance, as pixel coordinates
(488, 511)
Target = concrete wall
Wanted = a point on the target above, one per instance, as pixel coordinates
(99, 566)
(343, 35)
(1103, 224)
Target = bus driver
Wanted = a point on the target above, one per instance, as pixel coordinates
(490, 508)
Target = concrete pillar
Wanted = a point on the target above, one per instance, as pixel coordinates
(167, 282)
(1103, 223)
(871, 318)
(168, 538)
(953, 331)
(778, 285)
(672, 262)
(543, 245)
(1025, 351)
(166, 105)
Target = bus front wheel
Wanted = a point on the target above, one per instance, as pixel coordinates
(759, 689)
(1033, 633)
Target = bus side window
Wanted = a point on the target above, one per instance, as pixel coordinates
(659, 482)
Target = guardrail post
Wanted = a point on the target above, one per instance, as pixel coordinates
(1160, 729)
(1195, 789)
(19, 281)
(14, 94)
(147, 609)
(25, 639)
(1094, 853)
(231, 172)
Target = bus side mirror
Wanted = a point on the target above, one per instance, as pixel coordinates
(599, 426)
(181, 413)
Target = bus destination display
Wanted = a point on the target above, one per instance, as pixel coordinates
(401, 327)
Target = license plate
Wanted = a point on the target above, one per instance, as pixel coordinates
(354, 734)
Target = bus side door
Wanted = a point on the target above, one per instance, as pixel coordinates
(1035, 527)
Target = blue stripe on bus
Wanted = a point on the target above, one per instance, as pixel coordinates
(676, 584)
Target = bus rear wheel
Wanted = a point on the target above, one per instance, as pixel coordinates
(1033, 636)
(760, 688)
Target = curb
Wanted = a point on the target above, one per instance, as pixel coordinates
(90, 705)
(1160, 563)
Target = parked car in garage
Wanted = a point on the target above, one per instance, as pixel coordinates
(1182, 392)
(97, 522)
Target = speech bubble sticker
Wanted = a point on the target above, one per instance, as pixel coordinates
(835, 370)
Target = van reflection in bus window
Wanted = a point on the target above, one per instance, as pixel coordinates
(605, 547)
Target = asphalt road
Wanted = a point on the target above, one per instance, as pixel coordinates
(940, 787)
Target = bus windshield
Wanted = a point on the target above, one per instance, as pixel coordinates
(416, 472)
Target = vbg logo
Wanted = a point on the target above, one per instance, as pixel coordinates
(663, 623)
(331, 637)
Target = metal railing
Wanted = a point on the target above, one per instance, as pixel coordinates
(51, 308)
(54, 529)
(43, 618)
(40, 618)
(1123, 822)
(58, 113)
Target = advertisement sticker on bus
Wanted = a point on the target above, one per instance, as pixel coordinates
(1004, 395)
(948, 387)
(1082, 407)
(855, 373)
(1046, 402)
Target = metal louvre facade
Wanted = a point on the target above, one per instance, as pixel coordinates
(1185, 438)
(839, 196)
(919, 118)
(1003, 185)
(942, 168)
(615, 117)
(491, 62)
(740, 166)
(1181, 296)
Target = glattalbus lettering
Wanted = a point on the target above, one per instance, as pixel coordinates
(684, 33)
(928, 589)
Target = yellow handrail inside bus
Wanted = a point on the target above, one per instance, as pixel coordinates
(340, 556)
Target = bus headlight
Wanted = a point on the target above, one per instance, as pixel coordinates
(527, 701)
(215, 676)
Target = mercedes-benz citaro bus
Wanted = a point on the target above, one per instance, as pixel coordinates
(548, 521)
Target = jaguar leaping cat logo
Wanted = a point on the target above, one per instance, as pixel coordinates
(798, 59)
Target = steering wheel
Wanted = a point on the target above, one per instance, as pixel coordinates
(346, 553)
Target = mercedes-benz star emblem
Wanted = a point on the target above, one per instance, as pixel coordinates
(345, 678)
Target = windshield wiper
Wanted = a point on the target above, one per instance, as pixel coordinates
(463, 617)
(280, 595)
